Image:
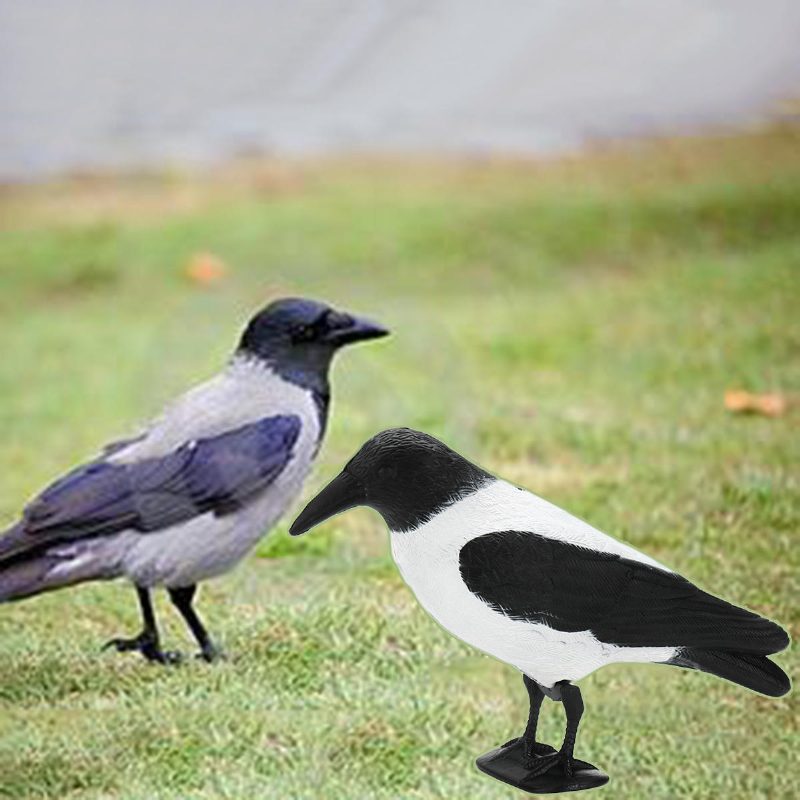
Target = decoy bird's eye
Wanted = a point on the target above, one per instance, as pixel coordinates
(387, 471)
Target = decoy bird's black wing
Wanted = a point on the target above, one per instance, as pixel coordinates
(621, 601)
(217, 474)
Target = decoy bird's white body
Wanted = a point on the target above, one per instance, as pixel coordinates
(530, 584)
(428, 559)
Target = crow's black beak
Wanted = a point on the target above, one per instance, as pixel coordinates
(358, 330)
(343, 492)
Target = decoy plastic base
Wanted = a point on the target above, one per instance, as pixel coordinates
(507, 764)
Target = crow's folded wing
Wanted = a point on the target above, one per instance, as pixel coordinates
(621, 601)
(217, 474)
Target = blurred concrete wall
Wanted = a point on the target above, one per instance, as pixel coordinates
(121, 82)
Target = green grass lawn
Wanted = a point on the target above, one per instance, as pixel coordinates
(572, 326)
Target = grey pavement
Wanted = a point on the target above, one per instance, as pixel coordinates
(121, 83)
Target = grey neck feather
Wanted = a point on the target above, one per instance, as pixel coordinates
(309, 371)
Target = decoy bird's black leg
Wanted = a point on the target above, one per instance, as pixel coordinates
(573, 708)
(532, 748)
(535, 697)
(182, 599)
(147, 642)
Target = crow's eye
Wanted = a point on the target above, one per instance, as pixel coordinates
(303, 333)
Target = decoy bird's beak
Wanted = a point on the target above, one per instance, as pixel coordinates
(343, 492)
(359, 329)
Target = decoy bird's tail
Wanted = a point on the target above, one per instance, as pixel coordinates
(750, 670)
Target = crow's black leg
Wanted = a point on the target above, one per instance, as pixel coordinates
(572, 701)
(182, 598)
(532, 748)
(147, 642)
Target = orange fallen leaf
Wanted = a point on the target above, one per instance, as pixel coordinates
(768, 405)
(205, 269)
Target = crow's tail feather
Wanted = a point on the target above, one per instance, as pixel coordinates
(13, 541)
(35, 572)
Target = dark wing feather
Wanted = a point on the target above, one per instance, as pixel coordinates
(217, 474)
(621, 601)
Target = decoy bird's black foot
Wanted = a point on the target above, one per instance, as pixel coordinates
(542, 774)
(148, 646)
(539, 764)
(531, 749)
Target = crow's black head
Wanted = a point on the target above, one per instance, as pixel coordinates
(298, 337)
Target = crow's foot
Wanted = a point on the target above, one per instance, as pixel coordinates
(210, 653)
(146, 644)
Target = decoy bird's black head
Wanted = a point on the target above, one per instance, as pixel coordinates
(298, 338)
(405, 475)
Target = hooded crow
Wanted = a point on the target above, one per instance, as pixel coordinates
(531, 585)
(193, 493)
